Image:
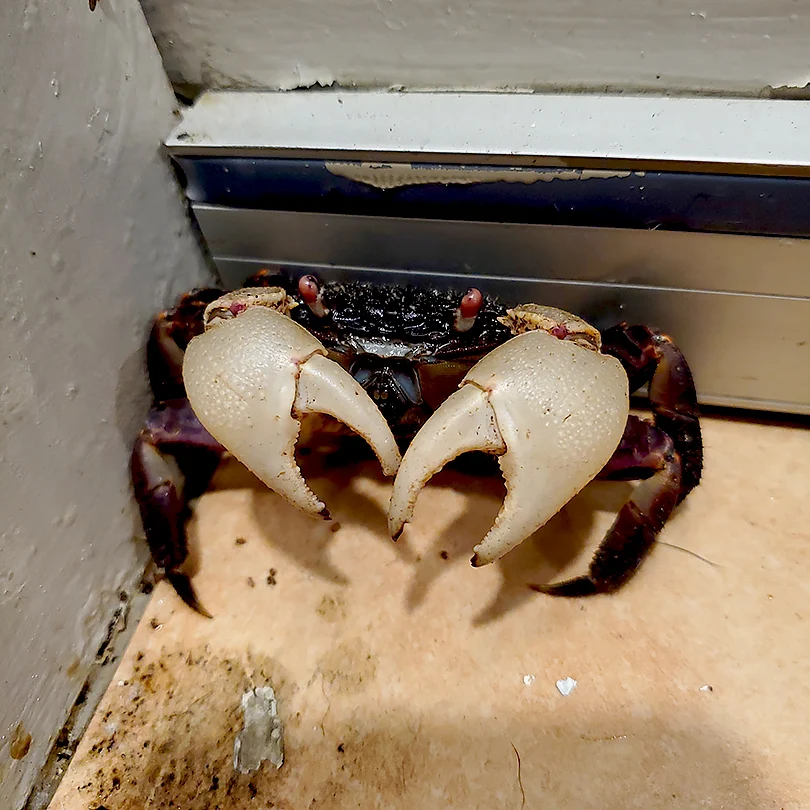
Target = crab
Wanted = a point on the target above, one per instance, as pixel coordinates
(423, 375)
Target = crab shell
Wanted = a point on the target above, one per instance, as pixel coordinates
(553, 409)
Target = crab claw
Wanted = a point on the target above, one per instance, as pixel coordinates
(553, 411)
(253, 372)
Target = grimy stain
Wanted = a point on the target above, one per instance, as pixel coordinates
(20, 743)
(165, 736)
(331, 608)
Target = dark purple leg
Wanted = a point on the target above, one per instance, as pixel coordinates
(174, 457)
(652, 358)
(171, 332)
(172, 462)
(647, 453)
(666, 455)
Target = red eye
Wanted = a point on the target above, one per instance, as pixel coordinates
(311, 292)
(236, 307)
(308, 289)
(471, 303)
(468, 309)
(559, 331)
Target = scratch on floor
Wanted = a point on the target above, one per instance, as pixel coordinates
(520, 777)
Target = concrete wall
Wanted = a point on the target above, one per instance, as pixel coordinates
(93, 239)
(740, 46)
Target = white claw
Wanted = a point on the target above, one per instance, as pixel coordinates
(552, 410)
(325, 387)
(247, 378)
(467, 422)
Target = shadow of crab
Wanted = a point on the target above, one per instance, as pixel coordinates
(564, 543)
(295, 534)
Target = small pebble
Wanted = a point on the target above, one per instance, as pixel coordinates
(706, 688)
(528, 679)
(566, 686)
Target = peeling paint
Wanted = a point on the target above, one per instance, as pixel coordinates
(398, 175)
(302, 77)
(261, 737)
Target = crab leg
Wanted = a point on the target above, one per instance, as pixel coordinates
(668, 453)
(253, 373)
(648, 453)
(171, 332)
(552, 411)
(172, 460)
(652, 358)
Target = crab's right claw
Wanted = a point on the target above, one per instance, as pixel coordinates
(553, 411)
(252, 373)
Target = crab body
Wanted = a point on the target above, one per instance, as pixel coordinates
(423, 372)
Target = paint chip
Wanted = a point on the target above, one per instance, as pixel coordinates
(261, 737)
(566, 686)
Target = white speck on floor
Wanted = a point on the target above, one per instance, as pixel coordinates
(566, 686)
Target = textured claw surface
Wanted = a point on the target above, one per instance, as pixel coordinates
(246, 378)
(559, 411)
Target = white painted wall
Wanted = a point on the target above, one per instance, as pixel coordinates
(699, 45)
(93, 240)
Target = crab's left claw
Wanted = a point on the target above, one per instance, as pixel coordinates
(249, 377)
(552, 410)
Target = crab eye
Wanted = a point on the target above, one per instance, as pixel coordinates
(312, 295)
(468, 310)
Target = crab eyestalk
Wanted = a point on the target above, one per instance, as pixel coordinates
(312, 295)
(254, 372)
(552, 408)
(468, 310)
